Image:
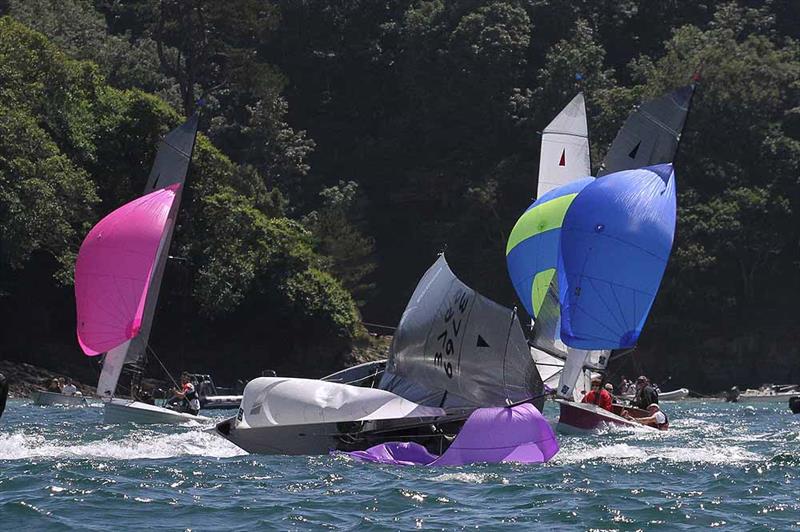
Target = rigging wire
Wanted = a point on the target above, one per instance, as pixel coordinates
(162, 366)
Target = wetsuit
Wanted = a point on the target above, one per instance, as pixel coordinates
(645, 397)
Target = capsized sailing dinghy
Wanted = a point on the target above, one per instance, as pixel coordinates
(454, 351)
(118, 276)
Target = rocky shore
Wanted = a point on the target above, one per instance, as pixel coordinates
(26, 378)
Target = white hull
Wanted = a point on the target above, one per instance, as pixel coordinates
(118, 411)
(766, 397)
(672, 395)
(52, 398)
(210, 402)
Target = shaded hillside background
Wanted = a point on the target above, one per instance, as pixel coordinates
(347, 142)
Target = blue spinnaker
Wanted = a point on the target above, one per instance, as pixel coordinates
(616, 240)
(532, 249)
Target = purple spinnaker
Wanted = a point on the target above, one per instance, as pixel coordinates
(514, 434)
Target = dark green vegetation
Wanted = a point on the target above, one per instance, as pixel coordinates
(349, 141)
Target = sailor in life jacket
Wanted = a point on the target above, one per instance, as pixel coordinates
(598, 395)
(188, 393)
(657, 418)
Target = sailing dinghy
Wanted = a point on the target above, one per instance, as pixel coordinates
(535, 252)
(118, 275)
(454, 353)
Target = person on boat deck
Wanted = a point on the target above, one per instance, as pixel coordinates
(610, 389)
(54, 386)
(69, 388)
(657, 418)
(189, 394)
(598, 395)
(645, 394)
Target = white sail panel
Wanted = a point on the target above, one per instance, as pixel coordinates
(112, 368)
(280, 401)
(565, 155)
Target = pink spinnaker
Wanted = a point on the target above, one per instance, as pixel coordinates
(114, 269)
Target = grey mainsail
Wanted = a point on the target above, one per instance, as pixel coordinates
(651, 133)
(454, 347)
(170, 168)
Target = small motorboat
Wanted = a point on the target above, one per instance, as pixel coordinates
(768, 393)
(672, 395)
(43, 398)
(579, 418)
(211, 397)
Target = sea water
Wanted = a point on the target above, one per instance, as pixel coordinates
(731, 466)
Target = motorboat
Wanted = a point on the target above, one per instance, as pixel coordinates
(672, 395)
(769, 393)
(44, 398)
(211, 397)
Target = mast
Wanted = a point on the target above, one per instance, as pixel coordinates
(170, 168)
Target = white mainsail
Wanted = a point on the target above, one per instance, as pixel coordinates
(564, 155)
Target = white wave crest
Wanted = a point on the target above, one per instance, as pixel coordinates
(18, 446)
(624, 453)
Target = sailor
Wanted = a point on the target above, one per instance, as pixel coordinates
(657, 418)
(598, 395)
(69, 388)
(189, 394)
(610, 389)
(645, 394)
(54, 386)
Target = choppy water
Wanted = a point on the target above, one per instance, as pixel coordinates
(721, 465)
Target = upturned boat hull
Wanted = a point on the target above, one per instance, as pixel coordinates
(52, 398)
(580, 418)
(119, 411)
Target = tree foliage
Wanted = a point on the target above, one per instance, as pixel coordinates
(348, 142)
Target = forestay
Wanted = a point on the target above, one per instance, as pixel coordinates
(651, 134)
(454, 347)
(615, 243)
